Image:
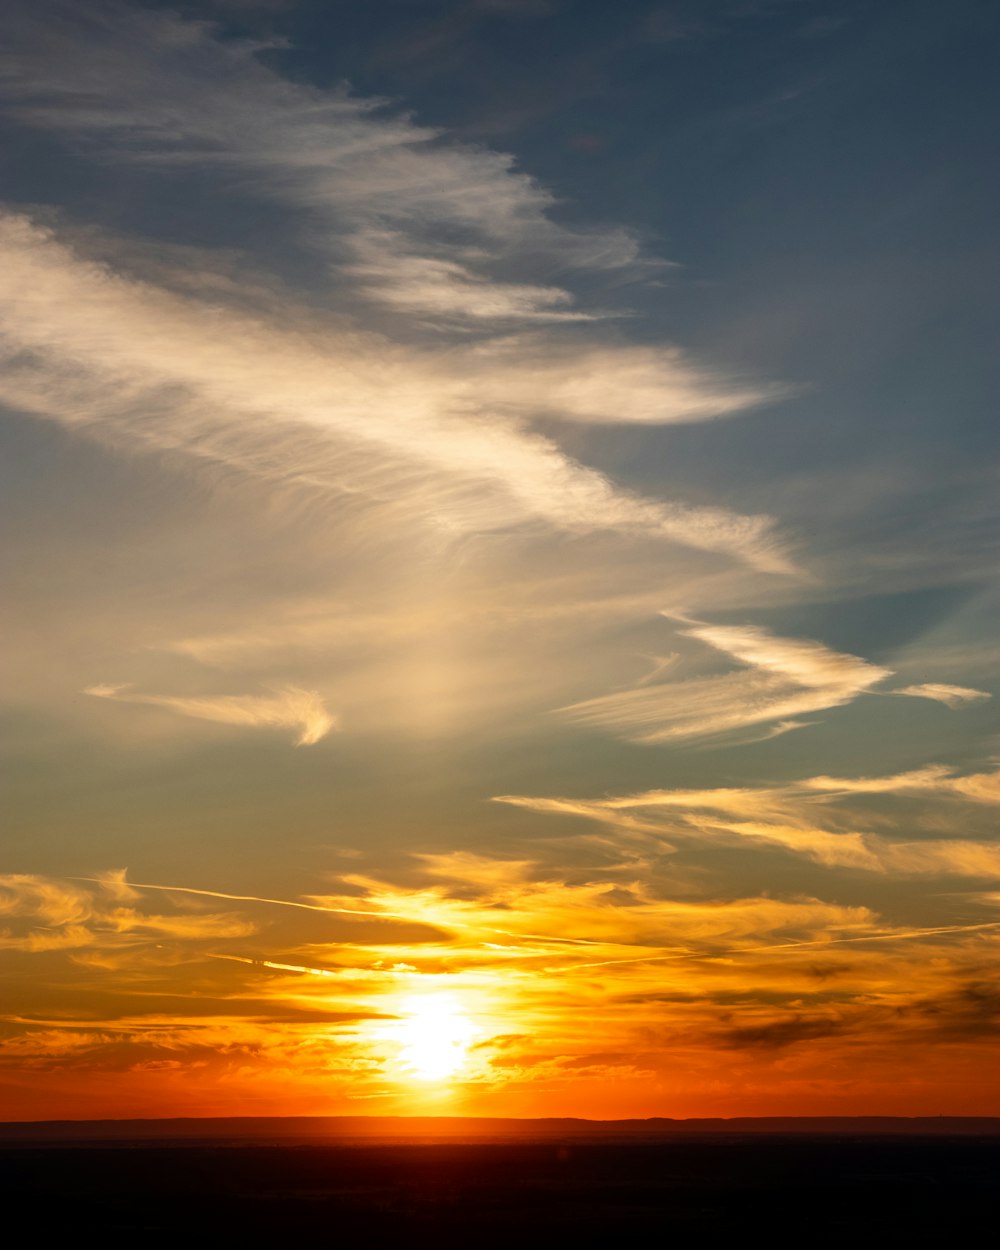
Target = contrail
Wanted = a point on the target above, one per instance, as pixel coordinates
(602, 963)
(253, 898)
(348, 911)
(779, 946)
(271, 963)
(547, 937)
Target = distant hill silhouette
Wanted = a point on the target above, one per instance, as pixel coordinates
(343, 1130)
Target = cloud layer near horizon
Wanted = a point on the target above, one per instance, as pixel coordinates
(528, 954)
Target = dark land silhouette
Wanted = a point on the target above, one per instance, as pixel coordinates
(447, 1182)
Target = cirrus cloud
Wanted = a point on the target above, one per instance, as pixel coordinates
(288, 708)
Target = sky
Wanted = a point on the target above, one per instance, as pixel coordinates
(502, 510)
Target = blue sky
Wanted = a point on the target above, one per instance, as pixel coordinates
(500, 457)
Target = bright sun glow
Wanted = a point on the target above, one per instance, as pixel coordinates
(435, 1035)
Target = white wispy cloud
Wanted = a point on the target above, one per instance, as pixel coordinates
(50, 914)
(802, 818)
(436, 433)
(935, 778)
(783, 678)
(159, 90)
(950, 696)
(351, 413)
(288, 708)
(443, 286)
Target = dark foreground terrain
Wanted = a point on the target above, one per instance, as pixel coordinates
(813, 1188)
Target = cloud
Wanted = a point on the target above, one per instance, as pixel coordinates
(845, 850)
(353, 415)
(678, 818)
(781, 1033)
(484, 900)
(443, 287)
(950, 696)
(591, 970)
(438, 374)
(955, 857)
(371, 184)
(500, 931)
(52, 902)
(980, 787)
(289, 708)
(929, 778)
(801, 818)
(58, 915)
(960, 1012)
(434, 433)
(116, 882)
(784, 678)
(610, 385)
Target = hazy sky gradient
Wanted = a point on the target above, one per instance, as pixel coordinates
(502, 500)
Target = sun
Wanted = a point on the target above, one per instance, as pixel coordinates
(435, 1036)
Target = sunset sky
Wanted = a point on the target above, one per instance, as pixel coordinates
(502, 514)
